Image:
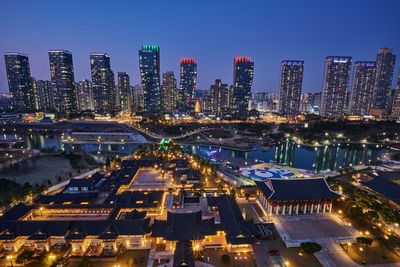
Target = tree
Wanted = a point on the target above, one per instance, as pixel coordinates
(356, 212)
(24, 256)
(225, 258)
(310, 247)
(85, 263)
(108, 163)
(364, 241)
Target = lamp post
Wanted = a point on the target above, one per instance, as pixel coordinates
(363, 255)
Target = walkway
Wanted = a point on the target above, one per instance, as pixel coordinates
(199, 130)
(261, 255)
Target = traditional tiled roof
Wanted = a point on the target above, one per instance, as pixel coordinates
(138, 199)
(388, 175)
(79, 183)
(109, 233)
(385, 187)
(62, 198)
(183, 254)
(237, 230)
(135, 214)
(38, 235)
(296, 189)
(183, 227)
(16, 212)
(73, 230)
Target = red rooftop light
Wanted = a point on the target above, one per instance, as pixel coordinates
(242, 59)
(187, 61)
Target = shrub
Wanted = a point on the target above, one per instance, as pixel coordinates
(225, 258)
(310, 247)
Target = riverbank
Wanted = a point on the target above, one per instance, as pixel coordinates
(321, 159)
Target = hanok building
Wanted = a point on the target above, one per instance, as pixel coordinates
(180, 231)
(296, 196)
(89, 214)
(91, 230)
(239, 233)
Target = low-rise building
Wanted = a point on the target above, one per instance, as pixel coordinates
(296, 196)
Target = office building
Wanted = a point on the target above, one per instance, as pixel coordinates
(19, 82)
(85, 95)
(137, 98)
(243, 71)
(62, 81)
(149, 64)
(363, 85)
(168, 92)
(385, 61)
(187, 84)
(124, 91)
(291, 84)
(103, 84)
(335, 86)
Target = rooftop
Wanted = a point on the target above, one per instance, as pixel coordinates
(237, 230)
(183, 227)
(296, 189)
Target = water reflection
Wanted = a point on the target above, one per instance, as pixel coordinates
(53, 143)
(322, 158)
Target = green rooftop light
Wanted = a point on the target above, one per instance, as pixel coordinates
(165, 143)
(154, 48)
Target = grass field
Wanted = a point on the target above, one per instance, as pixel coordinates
(41, 170)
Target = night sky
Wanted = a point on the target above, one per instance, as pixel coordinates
(213, 32)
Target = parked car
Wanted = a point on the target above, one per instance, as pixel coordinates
(274, 252)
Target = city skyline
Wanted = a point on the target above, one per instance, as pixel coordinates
(265, 45)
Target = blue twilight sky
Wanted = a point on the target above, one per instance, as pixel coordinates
(211, 31)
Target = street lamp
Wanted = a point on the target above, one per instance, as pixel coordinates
(52, 257)
(10, 257)
(363, 255)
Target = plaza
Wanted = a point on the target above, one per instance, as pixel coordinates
(263, 171)
(295, 230)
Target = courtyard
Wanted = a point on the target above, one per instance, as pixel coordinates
(151, 179)
(312, 228)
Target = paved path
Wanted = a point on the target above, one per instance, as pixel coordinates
(202, 129)
(261, 255)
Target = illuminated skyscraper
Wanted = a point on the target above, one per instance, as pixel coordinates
(103, 84)
(169, 92)
(219, 98)
(363, 85)
(62, 81)
(291, 84)
(149, 64)
(242, 82)
(85, 95)
(137, 98)
(396, 101)
(124, 91)
(335, 85)
(187, 85)
(385, 61)
(43, 95)
(19, 82)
